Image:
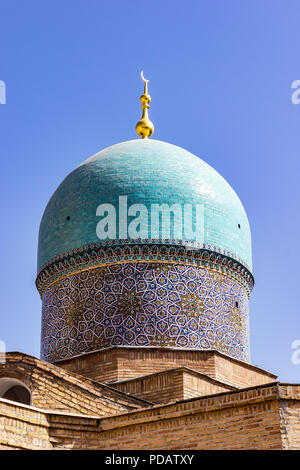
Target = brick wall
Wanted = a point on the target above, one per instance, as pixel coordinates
(290, 415)
(56, 389)
(196, 385)
(238, 373)
(244, 420)
(120, 363)
(157, 388)
(101, 366)
(265, 417)
(247, 419)
(171, 385)
(22, 427)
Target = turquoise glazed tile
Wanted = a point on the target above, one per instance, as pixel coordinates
(148, 172)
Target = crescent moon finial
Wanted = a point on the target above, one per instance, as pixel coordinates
(145, 127)
(142, 75)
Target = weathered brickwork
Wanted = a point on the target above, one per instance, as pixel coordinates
(290, 415)
(171, 385)
(121, 363)
(248, 419)
(23, 427)
(73, 432)
(264, 417)
(56, 389)
(197, 385)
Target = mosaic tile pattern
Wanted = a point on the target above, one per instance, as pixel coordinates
(145, 304)
(140, 249)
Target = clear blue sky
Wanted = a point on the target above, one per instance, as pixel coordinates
(221, 74)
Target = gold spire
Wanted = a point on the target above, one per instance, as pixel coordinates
(145, 127)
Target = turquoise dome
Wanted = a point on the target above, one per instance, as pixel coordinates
(147, 172)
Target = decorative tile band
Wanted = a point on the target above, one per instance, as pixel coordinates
(109, 253)
(145, 304)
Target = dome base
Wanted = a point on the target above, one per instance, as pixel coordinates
(120, 363)
(146, 303)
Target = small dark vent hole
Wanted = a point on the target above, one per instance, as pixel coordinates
(236, 304)
(239, 226)
(68, 218)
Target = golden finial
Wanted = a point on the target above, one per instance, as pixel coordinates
(145, 127)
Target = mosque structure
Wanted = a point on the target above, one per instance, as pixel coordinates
(144, 272)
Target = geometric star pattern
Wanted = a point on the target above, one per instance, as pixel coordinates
(145, 304)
